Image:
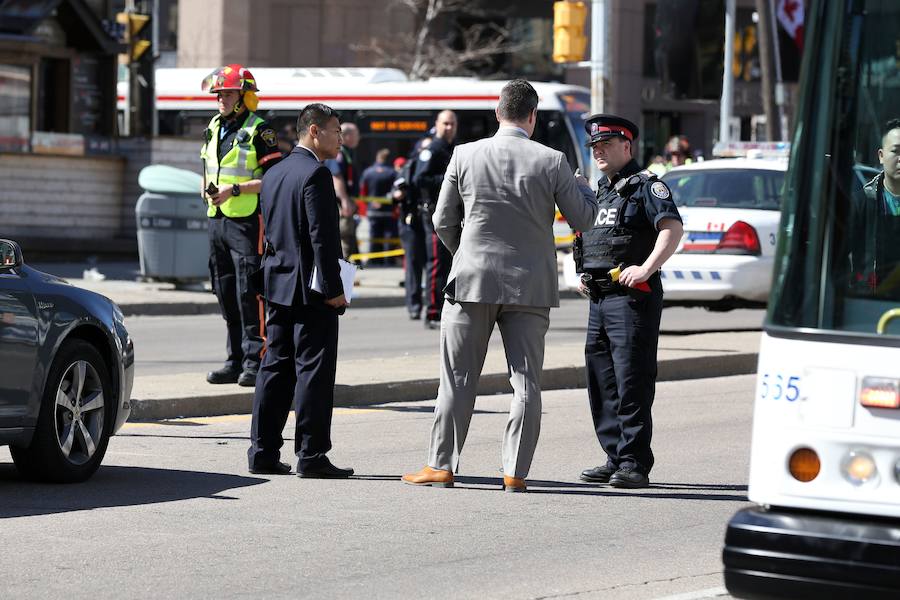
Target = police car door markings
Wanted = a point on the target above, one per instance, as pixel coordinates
(715, 275)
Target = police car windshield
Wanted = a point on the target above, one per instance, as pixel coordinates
(757, 189)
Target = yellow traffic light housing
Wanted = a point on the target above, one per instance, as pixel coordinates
(133, 24)
(569, 42)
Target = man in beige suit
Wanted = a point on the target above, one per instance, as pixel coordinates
(495, 213)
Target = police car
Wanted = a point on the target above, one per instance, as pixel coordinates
(731, 208)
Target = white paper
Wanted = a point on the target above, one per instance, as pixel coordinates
(348, 275)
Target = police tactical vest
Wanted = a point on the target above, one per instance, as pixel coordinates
(610, 242)
(240, 164)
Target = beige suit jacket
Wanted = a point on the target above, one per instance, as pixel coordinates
(495, 214)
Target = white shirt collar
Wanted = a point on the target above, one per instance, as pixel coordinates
(311, 150)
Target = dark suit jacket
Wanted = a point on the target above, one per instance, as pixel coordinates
(300, 213)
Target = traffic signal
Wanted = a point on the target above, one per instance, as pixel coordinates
(569, 42)
(133, 24)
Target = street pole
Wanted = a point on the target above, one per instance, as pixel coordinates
(725, 108)
(599, 63)
(154, 54)
(766, 63)
(779, 82)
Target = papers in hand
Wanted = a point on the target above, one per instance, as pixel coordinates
(348, 274)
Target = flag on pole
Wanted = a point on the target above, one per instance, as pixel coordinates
(790, 15)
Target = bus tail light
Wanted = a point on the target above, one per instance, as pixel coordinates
(804, 464)
(859, 467)
(740, 238)
(879, 392)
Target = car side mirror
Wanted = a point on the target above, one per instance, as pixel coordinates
(10, 256)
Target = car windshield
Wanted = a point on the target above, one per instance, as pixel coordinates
(727, 188)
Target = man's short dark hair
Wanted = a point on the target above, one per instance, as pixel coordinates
(517, 100)
(889, 127)
(315, 114)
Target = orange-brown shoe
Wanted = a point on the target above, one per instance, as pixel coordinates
(513, 484)
(429, 476)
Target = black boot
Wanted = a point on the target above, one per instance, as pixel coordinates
(223, 375)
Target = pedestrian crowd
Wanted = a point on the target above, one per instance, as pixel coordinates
(476, 224)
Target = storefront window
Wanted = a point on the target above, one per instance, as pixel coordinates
(15, 104)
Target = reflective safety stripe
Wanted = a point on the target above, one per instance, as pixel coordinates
(239, 164)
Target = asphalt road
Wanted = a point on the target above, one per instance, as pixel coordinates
(168, 345)
(174, 513)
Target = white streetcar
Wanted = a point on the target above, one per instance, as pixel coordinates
(825, 457)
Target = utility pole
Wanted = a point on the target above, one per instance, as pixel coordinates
(767, 42)
(725, 108)
(599, 62)
(779, 80)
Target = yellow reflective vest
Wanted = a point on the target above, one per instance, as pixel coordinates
(240, 164)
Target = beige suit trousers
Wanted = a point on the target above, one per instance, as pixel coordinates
(466, 328)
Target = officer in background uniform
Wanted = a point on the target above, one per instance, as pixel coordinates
(375, 188)
(637, 229)
(429, 176)
(238, 148)
(412, 231)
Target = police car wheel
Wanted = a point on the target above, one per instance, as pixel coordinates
(75, 420)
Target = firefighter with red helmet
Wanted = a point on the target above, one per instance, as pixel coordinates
(238, 148)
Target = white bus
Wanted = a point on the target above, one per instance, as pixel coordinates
(825, 458)
(391, 111)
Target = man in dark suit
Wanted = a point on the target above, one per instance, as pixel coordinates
(300, 211)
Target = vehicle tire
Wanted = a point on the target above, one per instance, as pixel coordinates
(75, 420)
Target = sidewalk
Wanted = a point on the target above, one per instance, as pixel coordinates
(362, 382)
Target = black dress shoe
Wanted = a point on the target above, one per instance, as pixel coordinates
(278, 468)
(598, 474)
(325, 471)
(225, 375)
(629, 478)
(247, 379)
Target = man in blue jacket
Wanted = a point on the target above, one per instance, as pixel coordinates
(300, 213)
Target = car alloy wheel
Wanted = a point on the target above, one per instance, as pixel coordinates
(79, 412)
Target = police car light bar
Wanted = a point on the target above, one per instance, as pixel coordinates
(752, 149)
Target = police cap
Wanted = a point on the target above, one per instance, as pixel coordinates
(604, 127)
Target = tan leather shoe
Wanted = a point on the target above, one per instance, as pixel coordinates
(429, 476)
(513, 484)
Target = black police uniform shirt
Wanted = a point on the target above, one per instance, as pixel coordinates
(432, 164)
(377, 182)
(343, 167)
(646, 204)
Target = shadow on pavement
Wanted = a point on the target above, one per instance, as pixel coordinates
(679, 491)
(112, 487)
(426, 409)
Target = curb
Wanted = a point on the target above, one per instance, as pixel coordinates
(179, 309)
(241, 402)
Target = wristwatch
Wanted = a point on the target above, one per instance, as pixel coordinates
(235, 189)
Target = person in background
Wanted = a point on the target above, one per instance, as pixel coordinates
(375, 188)
(412, 230)
(346, 186)
(432, 162)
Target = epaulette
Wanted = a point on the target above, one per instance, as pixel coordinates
(626, 185)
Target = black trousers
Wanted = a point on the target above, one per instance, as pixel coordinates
(382, 227)
(620, 356)
(437, 269)
(234, 249)
(298, 369)
(412, 236)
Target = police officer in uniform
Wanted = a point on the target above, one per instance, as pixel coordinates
(637, 229)
(432, 163)
(375, 187)
(239, 146)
